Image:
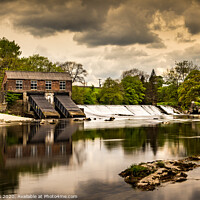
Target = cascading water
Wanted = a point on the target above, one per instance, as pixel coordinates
(170, 110)
(126, 110)
(137, 110)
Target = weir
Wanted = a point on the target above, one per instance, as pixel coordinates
(127, 110)
(170, 110)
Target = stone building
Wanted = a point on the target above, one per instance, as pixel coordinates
(44, 92)
(47, 83)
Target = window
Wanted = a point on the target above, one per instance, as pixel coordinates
(19, 84)
(62, 85)
(33, 85)
(48, 85)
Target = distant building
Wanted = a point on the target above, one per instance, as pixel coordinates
(48, 82)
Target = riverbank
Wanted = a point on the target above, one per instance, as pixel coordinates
(12, 118)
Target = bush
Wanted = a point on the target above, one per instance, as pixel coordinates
(173, 104)
(11, 98)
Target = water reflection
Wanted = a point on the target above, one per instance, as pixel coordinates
(188, 190)
(86, 160)
(181, 138)
(33, 148)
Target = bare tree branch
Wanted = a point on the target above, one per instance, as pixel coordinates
(75, 70)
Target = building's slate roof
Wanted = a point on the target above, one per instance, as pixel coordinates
(20, 75)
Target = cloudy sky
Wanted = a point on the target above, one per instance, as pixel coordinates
(106, 36)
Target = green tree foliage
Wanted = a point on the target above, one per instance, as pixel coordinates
(177, 74)
(11, 98)
(90, 96)
(175, 77)
(37, 63)
(143, 76)
(78, 94)
(9, 56)
(189, 90)
(111, 92)
(9, 49)
(133, 90)
(168, 95)
(85, 95)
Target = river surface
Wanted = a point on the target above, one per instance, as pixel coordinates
(84, 159)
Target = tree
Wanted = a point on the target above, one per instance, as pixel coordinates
(38, 63)
(78, 94)
(9, 49)
(189, 90)
(151, 95)
(168, 95)
(9, 56)
(135, 72)
(111, 92)
(90, 95)
(75, 70)
(177, 74)
(133, 90)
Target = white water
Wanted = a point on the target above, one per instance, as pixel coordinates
(120, 110)
(153, 110)
(96, 111)
(170, 110)
(125, 110)
(137, 110)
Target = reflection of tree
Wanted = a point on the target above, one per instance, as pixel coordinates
(131, 139)
(134, 139)
(180, 139)
(9, 181)
(9, 178)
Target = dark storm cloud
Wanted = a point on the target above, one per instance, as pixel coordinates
(121, 37)
(50, 16)
(192, 16)
(101, 22)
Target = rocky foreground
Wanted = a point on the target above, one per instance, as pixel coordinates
(147, 176)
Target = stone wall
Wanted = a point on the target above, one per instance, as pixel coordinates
(17, 108)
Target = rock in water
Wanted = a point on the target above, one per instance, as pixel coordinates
(147, 176)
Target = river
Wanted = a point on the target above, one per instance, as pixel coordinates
(83, 159)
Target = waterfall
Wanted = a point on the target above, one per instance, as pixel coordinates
(170, 110)
(126, 110)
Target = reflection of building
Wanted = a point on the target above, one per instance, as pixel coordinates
(39, 150)
(34, 149)
(40, 143)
